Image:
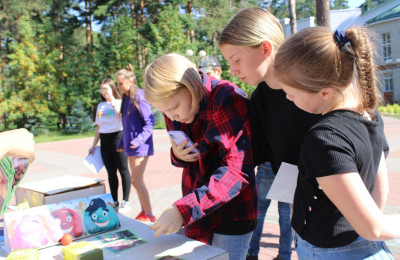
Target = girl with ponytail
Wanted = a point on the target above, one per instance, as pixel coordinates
(342, 184)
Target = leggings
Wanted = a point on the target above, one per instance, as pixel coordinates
(114, 160)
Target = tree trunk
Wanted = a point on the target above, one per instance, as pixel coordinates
(190, 32)
(214, 41)
(292, 16)
(323, 15)
(89, 32)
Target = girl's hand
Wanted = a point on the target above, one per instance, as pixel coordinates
(169, 222)
(18, 143)
(183, 153)
(91, 150)
(106, 96)
(120, 149)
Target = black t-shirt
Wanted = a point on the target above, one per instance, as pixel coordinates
(343, 141)
(278, 127)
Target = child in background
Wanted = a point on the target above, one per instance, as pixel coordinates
(219, 204)
(137, 141)
(109, 132)
(211, 66)
(339, 199)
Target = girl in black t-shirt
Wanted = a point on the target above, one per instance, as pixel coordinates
(342, 185)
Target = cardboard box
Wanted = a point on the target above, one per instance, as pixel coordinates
(24, 254)
(82, 251)
(58, 189)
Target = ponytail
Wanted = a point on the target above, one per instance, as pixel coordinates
(364, 63)
(129, 74)
(314, 58)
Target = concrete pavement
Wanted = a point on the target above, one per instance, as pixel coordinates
(163, 180)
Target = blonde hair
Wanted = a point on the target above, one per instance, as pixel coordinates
(250, 27)
(312, 60)
(169, 74)
(129, 74)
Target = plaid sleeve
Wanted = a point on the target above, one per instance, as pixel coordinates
(228, 130)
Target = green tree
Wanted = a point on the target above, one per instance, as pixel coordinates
(31, 87)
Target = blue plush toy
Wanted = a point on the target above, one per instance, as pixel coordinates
(99, 217)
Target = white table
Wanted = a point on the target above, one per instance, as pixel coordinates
(175, 244)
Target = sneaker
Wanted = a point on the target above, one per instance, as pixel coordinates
(145, 218)
(251, 257)
(116, 206)
(124, 207)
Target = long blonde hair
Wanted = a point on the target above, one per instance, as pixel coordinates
(128, 74)
(312, 59)
(250, 27)
(169, 74)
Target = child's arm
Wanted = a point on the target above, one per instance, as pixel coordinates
(349, 194)
(381, 189)
(17, 143)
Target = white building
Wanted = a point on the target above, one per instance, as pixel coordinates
(384, 19)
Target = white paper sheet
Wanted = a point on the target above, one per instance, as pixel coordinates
(94, 161)
(284, 184)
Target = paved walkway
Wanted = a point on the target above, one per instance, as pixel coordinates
(163, 180)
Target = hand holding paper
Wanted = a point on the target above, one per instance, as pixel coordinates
(94, 161)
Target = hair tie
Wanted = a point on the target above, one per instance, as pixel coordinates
(340, 38)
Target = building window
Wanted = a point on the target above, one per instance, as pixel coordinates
(386, 48)
(388, 82)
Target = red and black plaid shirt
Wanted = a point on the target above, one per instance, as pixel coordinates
(220, 186)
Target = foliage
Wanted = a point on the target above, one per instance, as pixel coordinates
(79, 121)
(390, 109)
(54, 53)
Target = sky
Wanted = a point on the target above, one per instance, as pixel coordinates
(355, 3)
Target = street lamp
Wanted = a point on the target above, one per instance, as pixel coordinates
(189, 53)
(202, 53)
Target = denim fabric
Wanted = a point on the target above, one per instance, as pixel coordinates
(359, 249)
(264, 178)
(235, 245)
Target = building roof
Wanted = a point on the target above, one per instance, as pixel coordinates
(390, 14)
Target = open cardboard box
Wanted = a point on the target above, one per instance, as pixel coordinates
(63, 188)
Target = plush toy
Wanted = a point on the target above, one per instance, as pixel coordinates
(33, 231)
(99, 217)
(71, 221)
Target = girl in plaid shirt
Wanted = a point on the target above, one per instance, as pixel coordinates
(219, 203)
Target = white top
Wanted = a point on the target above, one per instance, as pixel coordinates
(107, 119)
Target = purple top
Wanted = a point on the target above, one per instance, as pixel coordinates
(138, 129)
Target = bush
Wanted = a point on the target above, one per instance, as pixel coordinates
(79, 121)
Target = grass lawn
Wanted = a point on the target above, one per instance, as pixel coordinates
(59, 136)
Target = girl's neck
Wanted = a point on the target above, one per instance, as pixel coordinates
(346, 99)
(270, 78)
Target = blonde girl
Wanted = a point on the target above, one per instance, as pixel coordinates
(219, 203)
(249, 43)
(338, 203)
(137, 141)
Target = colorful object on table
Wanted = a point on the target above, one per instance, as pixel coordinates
(99, 217)
(119, 241)
(31, 228)
(45, 225)
(12, 170)
(71, 221)
(24, 205)
(66, 239)
(82, 251)
(24, 254)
